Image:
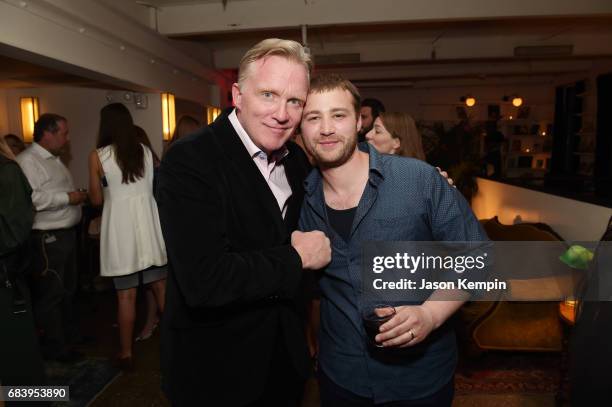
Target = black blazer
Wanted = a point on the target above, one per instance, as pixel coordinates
(234, 284)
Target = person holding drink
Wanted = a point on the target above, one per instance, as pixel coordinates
(356, 195)
(53, 266)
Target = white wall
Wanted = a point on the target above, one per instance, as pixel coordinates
(91, 39)
(573, 220)
(81, 106)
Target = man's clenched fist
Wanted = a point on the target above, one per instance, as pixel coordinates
(313, 247)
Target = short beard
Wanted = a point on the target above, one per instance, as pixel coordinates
(364, 131)
(346, 153)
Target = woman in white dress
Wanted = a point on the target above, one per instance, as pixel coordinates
(132, 248)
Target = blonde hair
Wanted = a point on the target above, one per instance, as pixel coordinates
(5, 150)
(402, 127)
(289, 49)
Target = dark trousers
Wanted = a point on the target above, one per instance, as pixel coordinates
(284, 387)
(53, 289)
(333, 395)
(20, 359)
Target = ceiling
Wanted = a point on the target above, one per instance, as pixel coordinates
(166, 3)
(397, 54)
(539, 28)
(16, 73)
(390, 54)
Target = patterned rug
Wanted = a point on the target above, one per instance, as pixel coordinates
(498, 373)
(86, 379)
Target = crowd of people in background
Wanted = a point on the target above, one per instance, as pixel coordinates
(122, 172)
(38, 261)
(226, 234)
(39, 251)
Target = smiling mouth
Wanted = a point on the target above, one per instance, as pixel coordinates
(328, 143)
(277, 129)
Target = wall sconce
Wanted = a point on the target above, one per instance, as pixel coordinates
(29, 116)
(469, 100)
(516, 100)
(168, 115)
(212, 113)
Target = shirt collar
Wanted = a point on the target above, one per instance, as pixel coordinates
(251, 147)
(41, 151)
(376, 162)
(376, 170)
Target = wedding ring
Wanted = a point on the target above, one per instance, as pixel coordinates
(412, 336)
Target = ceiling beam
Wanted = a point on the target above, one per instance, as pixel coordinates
(273, 14)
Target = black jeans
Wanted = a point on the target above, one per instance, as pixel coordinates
(333, 395)
(53, 290)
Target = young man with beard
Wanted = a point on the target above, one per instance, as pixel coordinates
(359, 195)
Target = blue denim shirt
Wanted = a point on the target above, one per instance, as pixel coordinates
(404, 200)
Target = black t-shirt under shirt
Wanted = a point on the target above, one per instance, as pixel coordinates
(341, 221)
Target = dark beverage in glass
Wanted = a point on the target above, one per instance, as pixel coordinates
(373, 317)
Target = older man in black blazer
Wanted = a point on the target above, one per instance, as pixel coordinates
(229, 200)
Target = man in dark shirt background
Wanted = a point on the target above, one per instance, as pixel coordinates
(368, 112)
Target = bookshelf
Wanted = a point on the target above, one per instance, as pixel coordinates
(528, 147)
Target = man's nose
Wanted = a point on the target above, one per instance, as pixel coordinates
(327, 127)
(280, 114)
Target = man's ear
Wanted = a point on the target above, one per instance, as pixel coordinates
(237, 95)
(358, 122)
